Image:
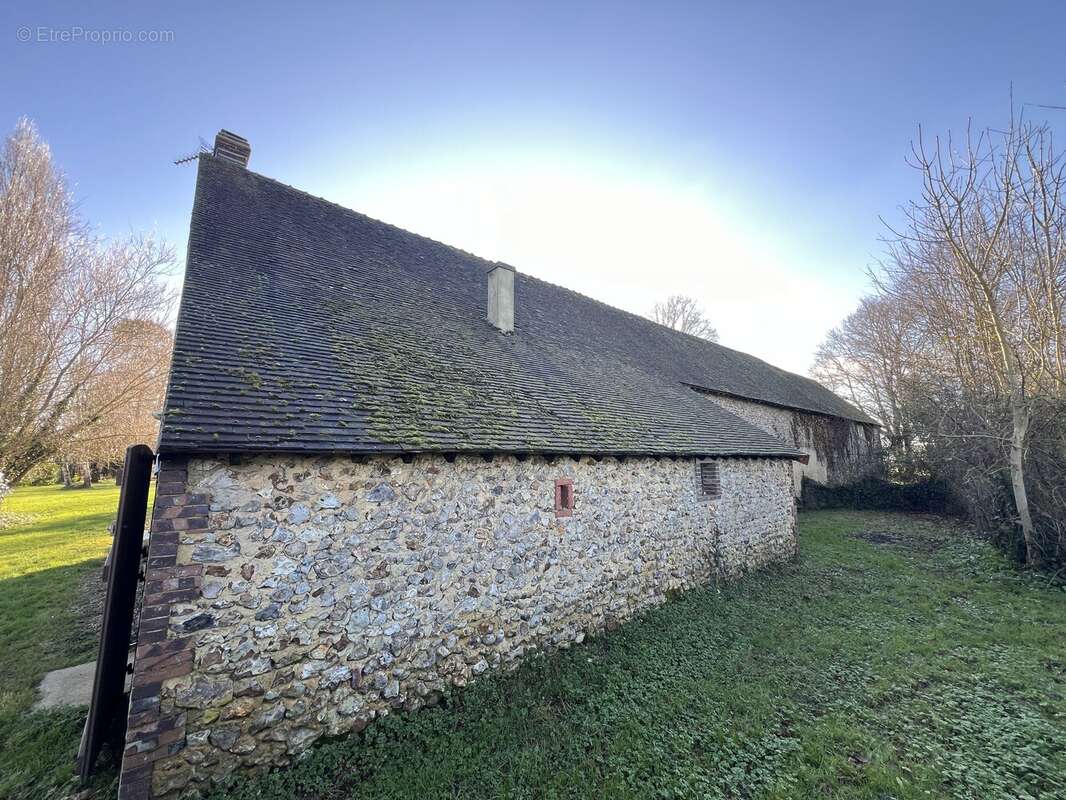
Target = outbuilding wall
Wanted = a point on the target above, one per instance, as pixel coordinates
(839, 450)
(291, 598)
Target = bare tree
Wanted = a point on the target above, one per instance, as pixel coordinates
(684, 314)
(962, 346)
(874, 359)
(118, 407)
(981, 259)
(68, 304)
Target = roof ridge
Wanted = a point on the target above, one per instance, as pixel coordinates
(352, 211)
(857, 413)
(697, 339)
(650, 321)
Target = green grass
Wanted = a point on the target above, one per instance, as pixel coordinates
(920, 666)
(44, 562)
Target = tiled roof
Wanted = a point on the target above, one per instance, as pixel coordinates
(306, 327)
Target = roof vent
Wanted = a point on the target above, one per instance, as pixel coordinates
(232, 147)
(501, 296)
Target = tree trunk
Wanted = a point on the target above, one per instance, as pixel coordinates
(1020, 417)
(1020, 427)
(87, 476)
(65, 470)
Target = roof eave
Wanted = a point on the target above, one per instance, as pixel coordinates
(193, 448)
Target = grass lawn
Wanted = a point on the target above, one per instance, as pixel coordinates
(896, 658)
(909, 662)
(60, 536)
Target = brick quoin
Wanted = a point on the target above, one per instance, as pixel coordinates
(159, 656)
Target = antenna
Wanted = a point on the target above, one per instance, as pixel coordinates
(204, 148)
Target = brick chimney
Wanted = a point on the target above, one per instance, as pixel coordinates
(501, 297)
(232, 147)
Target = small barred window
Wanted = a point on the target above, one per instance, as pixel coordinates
(707, 472)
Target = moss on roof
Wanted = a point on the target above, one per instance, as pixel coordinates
(308, 327)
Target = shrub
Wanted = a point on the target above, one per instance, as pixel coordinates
(45, 474)
(875, 494)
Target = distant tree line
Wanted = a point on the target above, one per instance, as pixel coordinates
(960, 348)
(84, 345)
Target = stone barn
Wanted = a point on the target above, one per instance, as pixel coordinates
(387, 466)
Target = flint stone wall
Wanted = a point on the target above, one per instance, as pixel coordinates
(321, 593)
(839, 451)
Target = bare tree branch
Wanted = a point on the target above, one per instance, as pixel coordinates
(83, 342)
(684, 314)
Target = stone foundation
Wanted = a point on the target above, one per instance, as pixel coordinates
(291, 598)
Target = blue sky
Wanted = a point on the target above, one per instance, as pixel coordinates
(738, 152)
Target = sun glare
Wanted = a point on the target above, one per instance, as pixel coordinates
(626, 239)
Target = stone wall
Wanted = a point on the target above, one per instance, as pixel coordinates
(839, 451)
(290, 598)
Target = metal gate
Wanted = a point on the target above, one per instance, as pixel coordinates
(107, 702)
